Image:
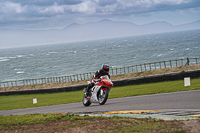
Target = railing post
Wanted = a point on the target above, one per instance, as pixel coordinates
(182, 62)
(164, 64)
(160, 65)
(170, 63)
(81, 76)
(132, 69)
(150, 66)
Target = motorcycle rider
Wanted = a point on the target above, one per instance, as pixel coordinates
(103, 71)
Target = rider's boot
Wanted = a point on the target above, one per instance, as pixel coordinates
(86, 92)
(88, 89)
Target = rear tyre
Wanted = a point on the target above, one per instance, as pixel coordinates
(86, 102)
(103, 96)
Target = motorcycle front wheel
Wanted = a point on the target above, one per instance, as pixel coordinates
(103, 96)
(86, 102)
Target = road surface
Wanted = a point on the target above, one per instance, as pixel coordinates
(185, 100)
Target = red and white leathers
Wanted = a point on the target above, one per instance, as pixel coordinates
(96, 77)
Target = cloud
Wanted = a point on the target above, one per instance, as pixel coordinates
(45, 10)
(53, 9)
(87, 7)
(9, 7)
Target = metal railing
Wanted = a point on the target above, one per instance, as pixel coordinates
(115, 71)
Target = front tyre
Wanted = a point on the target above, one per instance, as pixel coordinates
(103, 96)
(86, 102)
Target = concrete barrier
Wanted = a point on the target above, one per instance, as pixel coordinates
(158, 78)
(139, 80)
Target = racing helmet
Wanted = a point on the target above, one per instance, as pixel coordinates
(105, 68)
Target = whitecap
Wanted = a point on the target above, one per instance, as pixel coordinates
(4, 60)
(45, 54)
(113, 67)
(171, 49)
(187, 49)
(75, 52)
(52, 52)
(19, 56)
(20, 72)
(69, 52)
(11, 57)
(160, 55)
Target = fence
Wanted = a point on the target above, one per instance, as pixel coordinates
(116, 71)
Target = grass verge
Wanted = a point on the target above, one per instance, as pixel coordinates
(72, 123)
(26, 101)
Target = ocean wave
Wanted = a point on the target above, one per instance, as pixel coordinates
(4, 60)
(187, 49)
(19, 56)
(53, 52)
(20, 72)
(17, 69)
(113, 67)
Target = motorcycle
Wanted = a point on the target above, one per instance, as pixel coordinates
(99, 92)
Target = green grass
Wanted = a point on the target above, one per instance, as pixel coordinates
(26, 101)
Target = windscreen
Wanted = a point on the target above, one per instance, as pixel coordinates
(105, 76)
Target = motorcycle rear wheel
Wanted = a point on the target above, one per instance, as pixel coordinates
(103, 97)
(86, 102)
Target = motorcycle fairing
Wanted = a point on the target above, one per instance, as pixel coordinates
(94, 92)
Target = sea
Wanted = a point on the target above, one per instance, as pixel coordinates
(88, 56)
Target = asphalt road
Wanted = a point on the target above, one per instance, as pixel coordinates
(185, 100)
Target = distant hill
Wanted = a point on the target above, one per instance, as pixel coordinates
(107, 28)
(89, 31)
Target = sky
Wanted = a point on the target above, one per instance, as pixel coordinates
(56, 14)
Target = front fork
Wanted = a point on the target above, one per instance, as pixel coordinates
(101, 91)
